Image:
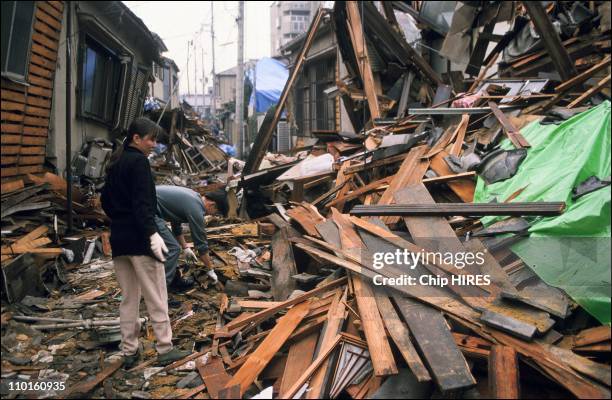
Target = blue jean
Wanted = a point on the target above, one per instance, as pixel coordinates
(174, 249)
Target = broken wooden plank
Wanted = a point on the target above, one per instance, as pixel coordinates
(213, 374)
(283, 266)
(411, 171)
(401, 337)
(84, 387)
(232, 392)
(356, 33)
(9, 187)
(552, 42)
(447, 137)
(323, 355)
(257, 304)
(463, 189)
(35, 234)
(378, 345)
(503, 373)
(383, 362)
(306, 217)
(192, 392)
(335, 319)
(460, 135)
(592, 336)
(342, 181)
(540, 208)
(473, 346)
(287, 303)
(299, 358)
(592, 91)
(258, 360)
(515, 136)
(264, 136)
(584, 76)
(598, 371)
(432, 335)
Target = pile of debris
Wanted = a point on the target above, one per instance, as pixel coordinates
(330, 291)
(442, 165)
(190, 146)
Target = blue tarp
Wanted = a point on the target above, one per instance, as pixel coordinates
(270, 78)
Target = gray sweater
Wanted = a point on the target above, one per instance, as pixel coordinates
(180, 205)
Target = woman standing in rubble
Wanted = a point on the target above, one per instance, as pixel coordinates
(129, 199)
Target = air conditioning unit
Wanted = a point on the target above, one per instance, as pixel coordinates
(283, 132)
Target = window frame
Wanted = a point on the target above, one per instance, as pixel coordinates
(89, 41)
(23, 79)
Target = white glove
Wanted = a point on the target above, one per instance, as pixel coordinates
(212, 275)
(158, 247)
(190, 255)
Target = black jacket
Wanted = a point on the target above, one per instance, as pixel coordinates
(128, 198)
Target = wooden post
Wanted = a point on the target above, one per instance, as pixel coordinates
(552, 42)
(503, 373)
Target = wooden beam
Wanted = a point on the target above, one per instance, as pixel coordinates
(515, 136)
(361, 54)
(552, 42)
(503, 373)
(213, 374)
(463, 189)
(464, 209)
(288, 303)
(299, 358)
(460, 135)
(258, 360)
(383, 362)
(335, 320)
(595, 89)
(584, 76)
(411, 171)
(85, 386)
(401, 337)
(264, 136)
(592, 336)
(283, 266)
(311, 369)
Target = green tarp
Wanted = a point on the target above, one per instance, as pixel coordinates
(571, 251)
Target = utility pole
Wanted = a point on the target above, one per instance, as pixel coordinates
(240, 83)
(195, 74)
(203, 86)
(212, 37)
(188, 88)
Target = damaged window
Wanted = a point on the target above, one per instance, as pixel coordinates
(315, 110)
(99, 82)
(17, 17)
(166, 79)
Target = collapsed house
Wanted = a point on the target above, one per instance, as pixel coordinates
(448, 137)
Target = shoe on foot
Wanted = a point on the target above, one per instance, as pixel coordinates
(129, 360)
(181, 283)
(212, 275)
(172, 356)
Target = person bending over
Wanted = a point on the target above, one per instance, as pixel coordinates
(180, 205)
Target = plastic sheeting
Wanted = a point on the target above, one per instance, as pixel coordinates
(270, 78)
(570, 251)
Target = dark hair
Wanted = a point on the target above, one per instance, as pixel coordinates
(220, 199)
(141, 126)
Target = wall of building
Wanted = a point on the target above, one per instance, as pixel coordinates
(26, 109)
(141, 54)
(226, 88)
(289, 19)
(165, 75)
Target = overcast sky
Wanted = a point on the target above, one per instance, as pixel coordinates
(178, 22)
